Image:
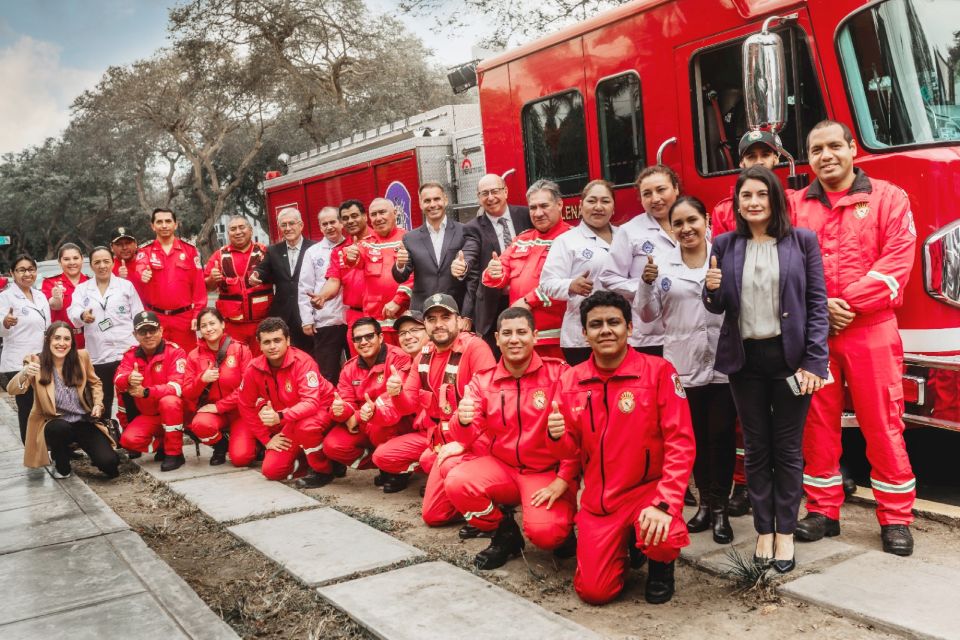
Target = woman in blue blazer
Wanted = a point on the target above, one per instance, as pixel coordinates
(767, 278)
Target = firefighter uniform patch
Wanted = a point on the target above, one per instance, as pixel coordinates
(380, 377)
(539, 399)
(312, 381)
(288, 387)
(678, 386)
(231, 361)
(861, 210)
(626, 403)
(181, 366)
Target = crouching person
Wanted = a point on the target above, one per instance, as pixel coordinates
(285, 406)
(509, 404)
(626, 414)
(152, 374)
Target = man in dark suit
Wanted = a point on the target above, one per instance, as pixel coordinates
(491, 232)
(281, 268)
(429, 251)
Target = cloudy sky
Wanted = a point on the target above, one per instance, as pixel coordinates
(51, 50)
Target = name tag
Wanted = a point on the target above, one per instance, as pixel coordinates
(105, 324)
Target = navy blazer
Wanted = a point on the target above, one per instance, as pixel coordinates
(803, 302)
(428, 276)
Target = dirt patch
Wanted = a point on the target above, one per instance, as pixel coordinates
(251, 593)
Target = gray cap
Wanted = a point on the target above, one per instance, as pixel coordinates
(767, 138)
(410, 316)
(444, 300)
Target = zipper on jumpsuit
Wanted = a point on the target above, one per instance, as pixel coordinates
(519, 424)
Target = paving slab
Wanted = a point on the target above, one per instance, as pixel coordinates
(807, 554)
(195, 467)
(174, 595)
(61, 577)
(237, 496)
(437, 601)
(9, 440)
(135, 616)
(322, 545)
(901, 594)
(19, 492)
(11, 464)
(92, 505)
(702, 544)
(59, 520)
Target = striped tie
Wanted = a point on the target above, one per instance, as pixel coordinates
(507, 238)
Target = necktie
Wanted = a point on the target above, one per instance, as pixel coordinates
(507, 238)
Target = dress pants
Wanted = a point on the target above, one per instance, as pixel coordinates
(328, 346)
(60, 434)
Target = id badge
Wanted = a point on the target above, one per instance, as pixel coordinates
(105, 324)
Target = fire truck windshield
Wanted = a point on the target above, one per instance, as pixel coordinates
(901, 60)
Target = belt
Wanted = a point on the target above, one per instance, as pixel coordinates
(171, 312)
(355, 308)
(231, 297)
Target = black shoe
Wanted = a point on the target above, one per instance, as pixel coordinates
(172, 462)
(784, 566)
(722, 531)
(261, 452)
(507, 543)
(469, 532)
(815, 526)
(849, 487)
(567, 548)
(339, 469)
(896, 539)
(396, 483)
(380, 478)
(159, 455)
(637, 558)
(314, 480)
(111, 472)
(132, 455)
(688, 498)
(219, 455)
(739, 503)
(423, 490)
(700, 520)
(660, 584)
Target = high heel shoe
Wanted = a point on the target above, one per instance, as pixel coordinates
(761, 561)
(700, 520)
(784, 566)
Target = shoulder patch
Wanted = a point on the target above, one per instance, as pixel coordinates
(678, 386)
(181, 365)
(312, 380)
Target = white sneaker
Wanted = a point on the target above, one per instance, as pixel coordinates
(60, 476)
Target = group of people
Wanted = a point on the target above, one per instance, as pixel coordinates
(516, 361)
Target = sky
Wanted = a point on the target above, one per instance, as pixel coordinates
(52, 50)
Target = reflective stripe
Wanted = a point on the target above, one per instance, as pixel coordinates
(423, 368)
(451, 369)
(296, 465)
(176, 387)
(548, 333)
(741, 452)
(172, 428)
(413, 467)
(890, 281)
(470, 515)
(356, 463)
(208, 440)
(406, 290)
(313, 450)
(886, 487)
(544, 298)
(832, 481)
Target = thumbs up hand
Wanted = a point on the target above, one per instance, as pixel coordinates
(467, 409)
(394, 382)
(459, 266)
(212, 374)
(556, 425)
(9, 320)
(650, 270)
(712, 279)
(122, 271)
(254, 279)
(87, 316)
(403, 257)
(495, 267)
(146, 275)
(31, 369)
(216, 275)
(338, 406)
(351, 254)
(582, 285)
(368, 409)
(58, 290)
(268, 416)
(135, 378)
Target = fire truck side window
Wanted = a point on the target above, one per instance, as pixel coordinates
(620, 119)
(555, 141)
(720, 116)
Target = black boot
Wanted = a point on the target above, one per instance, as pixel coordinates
(339, 469)
(507, 543)
(567, 548)
(132, 455)
(396, 483)
(660, 584)
(159, 455)
(739, 502)
(314, 480)
(722, 531)
(171, 463)
(849, 487)
(637, 557)
(701, 519)
(380, 478)
(896, 539)
(815, 526)
(688, 498)
(219, 455)
(469, 532)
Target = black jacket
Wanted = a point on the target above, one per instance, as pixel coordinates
(428, 276)
(275, 270)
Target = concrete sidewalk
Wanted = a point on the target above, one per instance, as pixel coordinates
(70, 566)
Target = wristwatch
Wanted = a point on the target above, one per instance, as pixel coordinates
(280, 416)
(146, 392)
(663, 506)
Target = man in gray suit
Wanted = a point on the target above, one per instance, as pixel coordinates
(428, 252)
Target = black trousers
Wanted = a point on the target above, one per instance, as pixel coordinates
(576, 355)
(60, 434)
(329, 344)
(714, 416)
(24, 406)
(105, 372)
(772, 419)
(655, 350)
(297, 337)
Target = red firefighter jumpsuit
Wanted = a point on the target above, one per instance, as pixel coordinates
(176, 291)
(868, 239)
(223, 392)
(633, 432)
(522, 263)
(61, 314)
(131, 266)
(351, 287)
(377, 257)
(298, 391)
(242, 306)
(356, 381)
(435, 384)
(512, 413)
(160, 423)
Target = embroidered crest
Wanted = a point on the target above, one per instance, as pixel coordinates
(861, 210)
(183, 256)
(181, 366)
(436, 298)
(754, 135)
(231, 361)
(539, 399)
(626, 403)
(320, 262)
(139, 255)
(288, 387)
(86, 300)
(312, 381)
(23, 311)
(196, 261)
(380, 377)
(355, 383)
(647, 247)
(587, 254)
(678, 386)
(121, 309)
(665, 284)
(122, 231)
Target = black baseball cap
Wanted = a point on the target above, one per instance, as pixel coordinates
(120, 234)
(441, 300)
(410, 316)
(768, 138)
(145, 319)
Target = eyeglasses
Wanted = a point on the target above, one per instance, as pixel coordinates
(147, 331)
(367, 337)
(289, 225)
(490, 192)
(25, 270)
(410, 332)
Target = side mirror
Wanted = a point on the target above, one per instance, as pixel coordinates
(941, 264)
(764, 80)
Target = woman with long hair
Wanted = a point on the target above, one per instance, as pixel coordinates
(26, 315)
(59, 288)
(212, 382)
(67, 403)
(670, 291)
(767, 279)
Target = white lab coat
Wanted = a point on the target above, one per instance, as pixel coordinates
(110, 335)
(313, 275)
(25, 337)
(691, 332)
